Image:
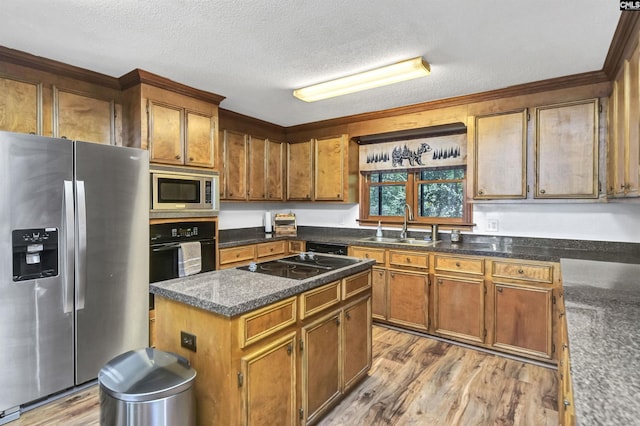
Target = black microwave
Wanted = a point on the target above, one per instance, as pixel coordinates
(176, 189)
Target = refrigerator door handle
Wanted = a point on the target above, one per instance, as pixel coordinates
(81, 264)
(67, 303)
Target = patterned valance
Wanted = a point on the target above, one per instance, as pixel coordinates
(438, 151)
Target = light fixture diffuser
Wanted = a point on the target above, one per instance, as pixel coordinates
(401, 71)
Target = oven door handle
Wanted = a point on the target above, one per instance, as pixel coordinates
(171, 246)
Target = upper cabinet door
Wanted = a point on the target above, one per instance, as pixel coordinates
(567, 150)
(329, 169)
(235, 165)
(299, 166)
(257, 166)
(82, 117)
(275, 170)
(20, 106)
(200, 131)
(166, 135)
(501, 155)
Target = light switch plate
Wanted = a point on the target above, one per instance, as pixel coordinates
(492, 225)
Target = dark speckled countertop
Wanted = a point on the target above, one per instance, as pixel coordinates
(232, 292)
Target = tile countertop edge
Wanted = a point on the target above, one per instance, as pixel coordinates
(602, 301)
(189, 287)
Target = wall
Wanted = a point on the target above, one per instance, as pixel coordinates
(580, 221)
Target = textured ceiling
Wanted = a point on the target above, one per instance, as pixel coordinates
(255, 52)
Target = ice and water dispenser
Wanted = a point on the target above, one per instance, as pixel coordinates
(35, 253)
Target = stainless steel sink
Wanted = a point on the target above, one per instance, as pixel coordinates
(407, 241)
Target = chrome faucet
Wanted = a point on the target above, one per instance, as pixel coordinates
(407, 209)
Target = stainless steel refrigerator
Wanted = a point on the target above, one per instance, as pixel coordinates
(74, 234)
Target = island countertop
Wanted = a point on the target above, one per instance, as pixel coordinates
(602, 303)
(232, 292)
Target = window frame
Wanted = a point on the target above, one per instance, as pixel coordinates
(412, 193)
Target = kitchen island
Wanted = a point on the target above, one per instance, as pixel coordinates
(268, 350)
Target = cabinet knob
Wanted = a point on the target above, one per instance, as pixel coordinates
(337, 321)
(480, 192)
(439, 281)
(521, 271)
(499, 290)
(393, 275)
(289, 348)
(566, 403)
(337, 195)
(408, 260)
(307, 196)
(457, 264)
(271, 249)
(63, 137)
(348, 315)
(542, 191)
(190, 158)
(177, 157)
(366, 255)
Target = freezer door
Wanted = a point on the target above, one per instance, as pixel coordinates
(112, 254)
(36, 314)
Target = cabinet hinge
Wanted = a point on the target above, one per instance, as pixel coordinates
(600, 108)
(599, 187)
(553, 348)
(553, 300)
(527, 189)
(301, 345)
(240, 379)
(485, 333)
(528, 117)
(301, 413)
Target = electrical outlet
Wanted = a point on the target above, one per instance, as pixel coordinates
(188, 341)
(492, 225)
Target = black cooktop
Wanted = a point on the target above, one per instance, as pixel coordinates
(301, 266)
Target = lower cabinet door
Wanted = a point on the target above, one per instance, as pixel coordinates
(408, 299)
(379, 293)
(522, 319)
(356, 341)
(268, 384)
(459, 308)
(320, 365)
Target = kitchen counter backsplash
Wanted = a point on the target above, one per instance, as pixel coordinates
(544, 249)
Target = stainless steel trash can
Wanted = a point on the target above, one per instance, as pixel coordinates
(147, 387)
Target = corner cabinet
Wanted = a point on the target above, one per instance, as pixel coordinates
(567, 150)
(624, 130)
(323, 169)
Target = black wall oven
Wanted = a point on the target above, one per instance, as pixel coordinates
(165, 240)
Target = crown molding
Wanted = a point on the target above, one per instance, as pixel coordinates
(628, 27)
(18, 57)
(138, 76)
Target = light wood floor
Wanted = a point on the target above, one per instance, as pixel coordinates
(414, 380)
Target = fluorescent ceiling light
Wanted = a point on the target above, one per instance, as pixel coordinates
(401, 71)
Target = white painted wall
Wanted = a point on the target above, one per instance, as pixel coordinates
(581, 221)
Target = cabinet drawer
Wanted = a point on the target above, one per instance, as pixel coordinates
(465, 265)
(237, 254)
(296, 246)
(523, 271)
(355, 284)
(270, 249)
(318, 299)
(266, 321)
(368, 253)
(409, 259)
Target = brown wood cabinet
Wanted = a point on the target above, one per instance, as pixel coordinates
(235, 165)
(408, 297)
(624, 130)
(232, 257)
(268, 382)
(299, 168)
(297, 246)
(80, 116)
(275, 170)
(500, 148)
(323, 169)
(379, 293)
(459, 308)
(286, 363)
(20, 105)
(180, 136)
(566, 163)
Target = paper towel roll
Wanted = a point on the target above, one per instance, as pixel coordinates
(267, 223)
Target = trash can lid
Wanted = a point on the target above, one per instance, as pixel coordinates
(146, 374)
